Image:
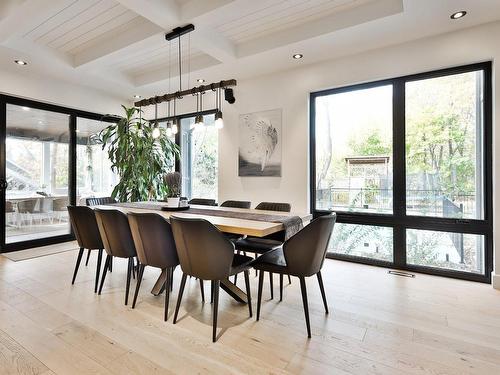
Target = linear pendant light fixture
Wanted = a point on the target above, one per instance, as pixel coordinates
(199, 91)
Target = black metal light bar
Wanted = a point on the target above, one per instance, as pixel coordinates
(179, 31)
(180, 94)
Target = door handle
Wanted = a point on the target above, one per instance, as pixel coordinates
(3, 184)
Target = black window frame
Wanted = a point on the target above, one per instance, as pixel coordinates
(399, 220)
(6, 99)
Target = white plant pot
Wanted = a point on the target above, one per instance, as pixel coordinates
(173, 202)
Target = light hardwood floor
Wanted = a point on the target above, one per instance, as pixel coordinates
(378, 324)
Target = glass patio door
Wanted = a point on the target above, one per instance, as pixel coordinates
(36, 174)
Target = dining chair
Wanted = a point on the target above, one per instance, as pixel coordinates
(118, 242)
(84, 224)
(59, 207)
(155, 246)
(203, 201)
(96, 201)
(302, 255)
(204, 252)
(27, 209)
(261, 245)
(236, 204)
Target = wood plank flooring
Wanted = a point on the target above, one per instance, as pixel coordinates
(378, 324)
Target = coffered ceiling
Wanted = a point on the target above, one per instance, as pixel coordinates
(119, 45)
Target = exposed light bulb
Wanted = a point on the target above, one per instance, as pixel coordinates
(169, 131)
(175, 130)
(156, 132)
(219, 122)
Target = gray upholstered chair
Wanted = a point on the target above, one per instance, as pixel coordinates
(236, 204)
(155, 246)
(87, 235)
(302, 256)
(118, 242)
(204, 252)
(259, 245)
(203, 201)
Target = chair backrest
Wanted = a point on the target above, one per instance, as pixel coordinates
(203, 201)
(236, 204)
(59, 204)
(153, 239)
(27, 205)
(273, 206)
(99, 201)
(84, 225)
(115, 233)
(305, 251)
(204, 252)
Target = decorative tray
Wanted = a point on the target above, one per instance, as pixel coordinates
(167, 208)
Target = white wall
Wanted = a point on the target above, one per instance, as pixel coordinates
(49, 90)
(290, 90)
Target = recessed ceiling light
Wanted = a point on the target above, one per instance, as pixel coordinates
(298, 56)
(137, 96)
(20, 62)
(200, 80)
(26, 108)
(457, 15)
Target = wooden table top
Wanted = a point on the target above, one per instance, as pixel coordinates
(224, 224)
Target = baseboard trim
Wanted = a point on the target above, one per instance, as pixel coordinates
(495, 280)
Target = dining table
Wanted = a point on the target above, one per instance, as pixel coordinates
(239, 221)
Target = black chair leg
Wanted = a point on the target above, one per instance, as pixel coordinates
(172, 279)
(212, 283)
(249, 297)
(289, 280)
(140, 272)
(322, 288)
(202, 291)
(179, 297)
(168, 287)
(88, 257)
(305, 303)
(78, 260)
(271, 284)
(236, 276)
(106, 267)
(98, 270)
(281, 287)
(129, 274)
(215, 310)
(259, 293)
(111, 264)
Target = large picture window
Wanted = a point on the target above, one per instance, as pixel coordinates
(406, 165)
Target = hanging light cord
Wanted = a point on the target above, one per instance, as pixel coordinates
(180, 65)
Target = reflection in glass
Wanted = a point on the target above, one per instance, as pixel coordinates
(444, 125)
(354, 151)
(456, 251)
(362, 241)
(94, 177)
(37, 171)
(199, 158)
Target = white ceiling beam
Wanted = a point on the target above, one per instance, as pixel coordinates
(164, 13)
(201, 8)
(20, 16)
(162, 74)
(367, 12)
(116, 47)
(214, 44)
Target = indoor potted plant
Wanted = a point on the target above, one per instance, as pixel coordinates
(173, 184)
(138, 157)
